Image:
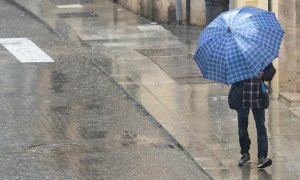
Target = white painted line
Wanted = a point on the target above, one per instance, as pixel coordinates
(151, 28)
(69, 6)
(11, 40)
(224, 98)
(25, 50)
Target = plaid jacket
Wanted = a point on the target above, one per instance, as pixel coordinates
(247, 93)
(252, 94)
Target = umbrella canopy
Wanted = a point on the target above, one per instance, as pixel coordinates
(238, 45)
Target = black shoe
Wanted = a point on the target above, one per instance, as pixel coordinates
(264, 162)
(245, 159)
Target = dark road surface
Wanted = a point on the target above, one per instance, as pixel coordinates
(68, 120)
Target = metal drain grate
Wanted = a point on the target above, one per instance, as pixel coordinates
(178, 64)
(75, 15)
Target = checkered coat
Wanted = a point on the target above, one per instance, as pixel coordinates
(247, 93)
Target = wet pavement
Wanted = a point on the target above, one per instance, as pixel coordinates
(154, 67)
(68, 120)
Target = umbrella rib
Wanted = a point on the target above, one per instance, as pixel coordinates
(226, 62)
(213, 52)
(216, 49)
(242, 52)
(212, 37)
(253, 40)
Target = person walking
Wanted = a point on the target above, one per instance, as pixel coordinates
(243, 96)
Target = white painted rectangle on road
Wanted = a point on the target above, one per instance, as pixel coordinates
(25, 50)
(151, 28)
(69, 6)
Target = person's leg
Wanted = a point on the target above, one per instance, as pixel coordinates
(262, 139)
(243, 130)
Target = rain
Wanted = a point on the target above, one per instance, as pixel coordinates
(92, 90)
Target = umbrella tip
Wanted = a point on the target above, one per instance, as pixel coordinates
(228, 29)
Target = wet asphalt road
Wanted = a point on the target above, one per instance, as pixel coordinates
(68, 120)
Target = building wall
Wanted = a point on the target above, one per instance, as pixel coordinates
(263, 4)
(288, 13)
(197, 12)
(289, 17)
(165, 10)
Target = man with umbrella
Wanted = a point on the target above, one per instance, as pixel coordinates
(243, 96)
(238, 48)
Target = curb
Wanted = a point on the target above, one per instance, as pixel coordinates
(137, 103)
(36, 17)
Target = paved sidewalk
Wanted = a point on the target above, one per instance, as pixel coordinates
(154, 66)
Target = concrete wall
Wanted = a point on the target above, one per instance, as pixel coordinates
(164, 10)
(288, 12)
(289, 17)
(263, 4)
(198, 12)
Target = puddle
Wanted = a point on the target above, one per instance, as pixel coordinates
(58, 80)
(60, 109)
(55, 148)
(92, 134)
(92, 106)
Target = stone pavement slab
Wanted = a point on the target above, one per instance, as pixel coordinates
(196, 115)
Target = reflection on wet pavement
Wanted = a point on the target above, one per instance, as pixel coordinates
(58, 80)
(74, 15)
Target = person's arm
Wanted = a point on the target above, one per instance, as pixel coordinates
(268, 73)
(260, 74)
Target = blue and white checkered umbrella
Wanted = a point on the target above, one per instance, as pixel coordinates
(238, 45)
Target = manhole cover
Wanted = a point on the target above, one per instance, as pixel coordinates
(74, 15)
(178, 64)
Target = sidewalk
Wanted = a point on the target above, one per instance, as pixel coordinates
(154, 66)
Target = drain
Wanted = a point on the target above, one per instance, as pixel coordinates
(74, 15)
(177, 64)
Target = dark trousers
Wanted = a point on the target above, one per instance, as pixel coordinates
(262, 140)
